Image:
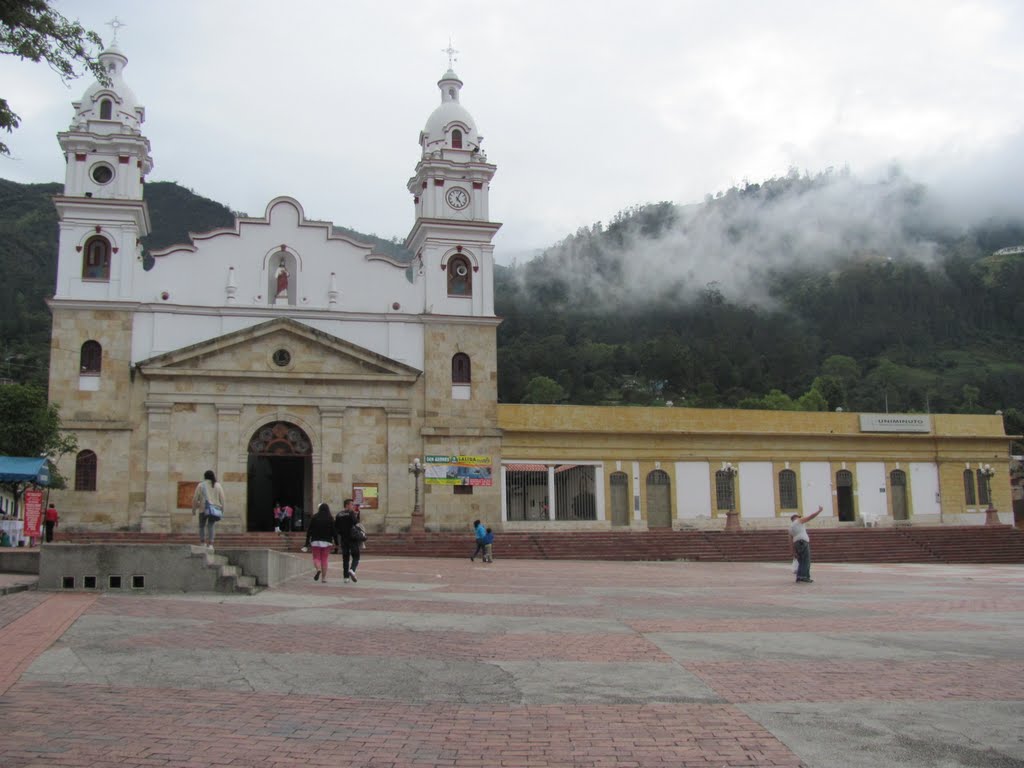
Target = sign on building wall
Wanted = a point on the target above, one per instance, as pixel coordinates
(458, 470)
(33, 501)
(365, 495)
(895, 422)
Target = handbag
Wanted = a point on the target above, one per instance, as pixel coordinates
(358, 533)
(211, 509)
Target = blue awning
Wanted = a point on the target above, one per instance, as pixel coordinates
(17, 469)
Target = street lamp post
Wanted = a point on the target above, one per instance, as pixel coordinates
(416, 469)
(991, 513)
(732, 518)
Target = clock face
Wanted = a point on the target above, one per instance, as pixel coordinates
(457, 198)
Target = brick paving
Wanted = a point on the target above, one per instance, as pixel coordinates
(430, 663)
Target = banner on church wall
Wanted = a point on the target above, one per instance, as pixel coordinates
(458, 470)
(33, 504)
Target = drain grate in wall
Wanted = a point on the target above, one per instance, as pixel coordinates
(113, 582)
(89, 582)
(67, 582)
(138, 582)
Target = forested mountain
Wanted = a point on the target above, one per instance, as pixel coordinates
(811, 292)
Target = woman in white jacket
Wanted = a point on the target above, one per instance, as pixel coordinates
(208, 502)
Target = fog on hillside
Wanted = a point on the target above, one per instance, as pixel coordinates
(735, 240)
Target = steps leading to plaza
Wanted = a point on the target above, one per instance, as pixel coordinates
(900, 544)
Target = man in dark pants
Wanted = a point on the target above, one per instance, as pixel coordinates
(802, 544)
(50, 521)
(343, 525)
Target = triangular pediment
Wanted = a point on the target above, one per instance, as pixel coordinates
(278, 348)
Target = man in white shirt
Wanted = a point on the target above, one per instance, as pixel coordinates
(802, 544)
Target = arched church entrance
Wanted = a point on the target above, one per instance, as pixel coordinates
(280, 469)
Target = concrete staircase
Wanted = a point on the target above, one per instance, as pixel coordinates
(229, 577)
(901, 544)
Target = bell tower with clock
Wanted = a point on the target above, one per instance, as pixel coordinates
(451, 238)
(451, 243)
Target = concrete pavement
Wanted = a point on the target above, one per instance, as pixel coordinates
(525, 663)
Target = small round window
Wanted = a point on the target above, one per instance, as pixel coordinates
(102, 173)
(282, 357)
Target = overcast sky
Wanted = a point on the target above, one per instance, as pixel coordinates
(587, 108)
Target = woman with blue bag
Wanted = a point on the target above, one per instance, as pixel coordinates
(208, 501)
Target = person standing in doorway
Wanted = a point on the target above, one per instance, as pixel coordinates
(320, 538)
(802, 544)
(208, 502)
(344, 525)
(50, 521)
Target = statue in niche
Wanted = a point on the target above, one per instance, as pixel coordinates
(281, 278)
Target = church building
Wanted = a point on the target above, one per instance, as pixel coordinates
(304, 366)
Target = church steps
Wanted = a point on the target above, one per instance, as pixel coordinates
(905, 544)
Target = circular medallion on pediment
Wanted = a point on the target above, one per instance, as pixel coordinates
(282, 358)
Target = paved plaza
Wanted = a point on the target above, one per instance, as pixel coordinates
(430, 662)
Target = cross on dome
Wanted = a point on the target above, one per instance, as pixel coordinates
(451, 51)
(115, 24)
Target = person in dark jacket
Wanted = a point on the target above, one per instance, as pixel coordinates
(343, 525)
(320, 537)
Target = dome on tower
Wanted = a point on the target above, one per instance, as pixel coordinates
(450, 126)
(110, 108)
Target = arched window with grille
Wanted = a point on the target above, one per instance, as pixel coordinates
(456, 139)
(970, 498)
(460, 277)
(983, 494)
(898, 494)
(724, 491)
(461, 371)
(85, 471)
(96, 259)
(91, 358)
(788, 497)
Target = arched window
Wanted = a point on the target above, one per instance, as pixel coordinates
(983, 495)
(91, 358)
(788, 498)
(85, 471)
(106, 109)
(461, 372)
(724, 491)
(969, 497)
(460, 280)
(96, 259)
(456, 139)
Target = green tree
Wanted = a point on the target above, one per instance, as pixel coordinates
(541, 389)
(29, 426)
(31, 29)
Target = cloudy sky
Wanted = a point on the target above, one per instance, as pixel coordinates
(586, 107)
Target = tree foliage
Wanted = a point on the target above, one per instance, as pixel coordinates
(30, 426)
(32, 30)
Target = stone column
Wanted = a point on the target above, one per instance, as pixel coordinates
(396, 500)
(332, 475)
(161, 493)
(230, 471)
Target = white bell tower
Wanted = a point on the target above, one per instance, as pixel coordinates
(452, 236)
(102, 214)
